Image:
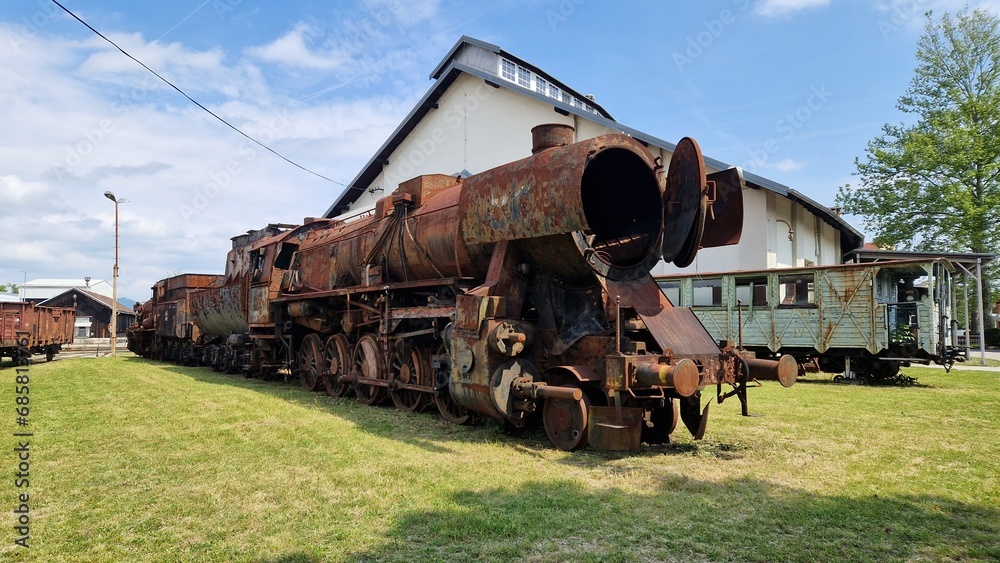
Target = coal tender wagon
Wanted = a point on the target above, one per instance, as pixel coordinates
(522, 289)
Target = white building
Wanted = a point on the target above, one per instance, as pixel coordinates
(479, 112)
(41, 289)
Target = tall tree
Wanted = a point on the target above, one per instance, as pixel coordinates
(935, 184)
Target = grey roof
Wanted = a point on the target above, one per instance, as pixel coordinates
(123, 309)
(449, 69)
(877, 255)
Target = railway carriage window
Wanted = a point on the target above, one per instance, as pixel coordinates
(672, 289)
(707, 293)
(796, 290)
(752, 291)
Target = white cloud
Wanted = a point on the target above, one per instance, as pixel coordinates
(293, 50)
(786, 165)
(779, 8)
(92, 124)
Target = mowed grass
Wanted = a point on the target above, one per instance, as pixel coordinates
(135, 460)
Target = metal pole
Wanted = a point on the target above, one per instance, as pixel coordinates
(114, 293)
(114, 281)
(982, 311)
(24, 290)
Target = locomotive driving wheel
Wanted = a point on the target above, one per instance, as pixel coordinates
(565, 422)
(450, 410)
(369, 364)
(409, 367)
(336, 362)
(308, 362)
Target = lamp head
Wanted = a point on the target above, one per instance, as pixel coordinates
(111, 196)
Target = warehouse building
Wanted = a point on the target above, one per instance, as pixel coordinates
(479, 112)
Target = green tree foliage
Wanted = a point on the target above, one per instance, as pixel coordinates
(935, 184)
(9, 288)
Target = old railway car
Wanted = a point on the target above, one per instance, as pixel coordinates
(164, 327)
(26, 329)
(864, 320)
(522, 289)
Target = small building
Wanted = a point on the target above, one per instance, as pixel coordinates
(480, 110)
(93, 312)
(42, 289)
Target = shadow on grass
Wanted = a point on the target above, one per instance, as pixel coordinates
(688, 519)
(434, 433)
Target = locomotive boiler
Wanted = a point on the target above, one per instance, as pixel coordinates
(520, 292)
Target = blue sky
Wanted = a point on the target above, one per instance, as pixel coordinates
(789, 89)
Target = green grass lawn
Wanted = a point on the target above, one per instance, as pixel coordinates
(137, 460)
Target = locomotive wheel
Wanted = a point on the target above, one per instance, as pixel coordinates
(368, 363)
(409, 366)
(308, 362)
(664, 421)
(566, 422)
(336, 359)
(452, 411)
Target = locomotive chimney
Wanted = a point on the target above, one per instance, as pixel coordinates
(550, 135)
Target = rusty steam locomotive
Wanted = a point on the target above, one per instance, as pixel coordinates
(523, 289)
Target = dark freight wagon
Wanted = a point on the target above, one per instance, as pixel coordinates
(26, 329)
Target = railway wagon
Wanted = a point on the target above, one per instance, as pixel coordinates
(863, 320)
(26, 329)
(164, 327)
(521, 290)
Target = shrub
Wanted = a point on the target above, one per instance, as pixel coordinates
(993, 337)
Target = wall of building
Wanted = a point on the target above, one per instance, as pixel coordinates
(477, 127)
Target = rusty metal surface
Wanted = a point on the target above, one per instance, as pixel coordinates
(615, 429)
(27, 326)
(724, 223)
(220, 311)
(685, 200)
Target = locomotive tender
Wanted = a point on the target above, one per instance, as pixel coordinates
(524, 288)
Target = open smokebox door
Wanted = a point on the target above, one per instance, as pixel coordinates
(685, 202)
(724, 220)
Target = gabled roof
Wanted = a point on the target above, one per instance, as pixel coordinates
(123, 309)
(460, 59)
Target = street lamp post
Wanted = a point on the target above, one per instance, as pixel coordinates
(24, 290)
(114, 281)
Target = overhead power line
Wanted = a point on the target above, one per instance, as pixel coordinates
(195, 102)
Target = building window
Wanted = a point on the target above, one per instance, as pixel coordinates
(523, 77)
(553, 91)
(541, 85)
(507, 69)
(566, 98)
